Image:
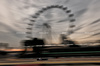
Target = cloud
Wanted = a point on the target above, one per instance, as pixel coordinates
(14, 12)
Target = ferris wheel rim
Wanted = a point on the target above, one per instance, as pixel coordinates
(65, 9)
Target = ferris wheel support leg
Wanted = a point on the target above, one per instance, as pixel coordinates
(23, 52)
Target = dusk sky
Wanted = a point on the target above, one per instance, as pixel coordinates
(13, 22)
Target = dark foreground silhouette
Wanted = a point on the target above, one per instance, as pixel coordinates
(71, 50)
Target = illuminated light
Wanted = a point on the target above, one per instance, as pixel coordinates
(68, 11)
(72, 20)
(71, 15)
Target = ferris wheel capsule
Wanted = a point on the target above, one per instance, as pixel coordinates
(29, 32)
(37, 13)
(60, 6)
(71, 26)
(64, 8)
(32, 20)
(72, 20)
(30, 24)
(29, 28)
(68, 11)
(44, 9)
(28, 36)
(71, 15)
(70, 32)
(34, 16)
(54, 6)
(49, 7)
(41, 11)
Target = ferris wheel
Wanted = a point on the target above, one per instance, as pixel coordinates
(50, 22)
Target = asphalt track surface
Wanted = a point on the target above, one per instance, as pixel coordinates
(60, 60)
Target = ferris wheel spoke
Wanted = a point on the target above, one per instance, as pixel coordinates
(63, 20)
(72, 20)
